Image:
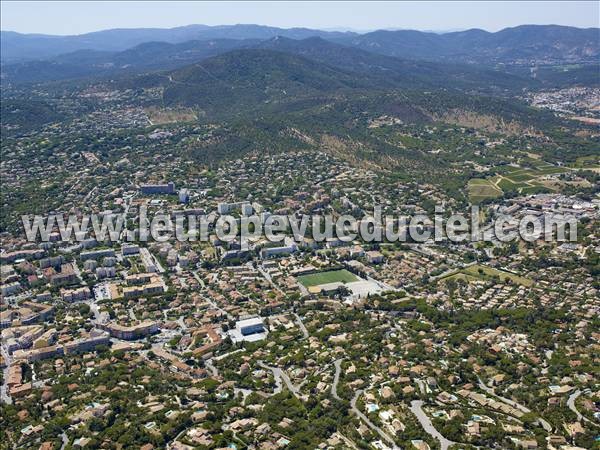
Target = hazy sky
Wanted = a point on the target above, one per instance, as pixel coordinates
(71, 17)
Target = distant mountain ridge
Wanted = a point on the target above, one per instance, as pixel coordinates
(391, 55)
(250, 79)
(17, 47)
(522, 44)
(525, 44)
(393, 71)
(305, 75)
(146, 56)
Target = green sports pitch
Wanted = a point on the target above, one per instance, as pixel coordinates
(333, 276)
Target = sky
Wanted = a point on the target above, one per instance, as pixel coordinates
(73, 17)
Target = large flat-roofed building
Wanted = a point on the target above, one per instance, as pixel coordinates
(96, 254)
(288, 248)
(188, 212)
(66, 275)
(38, 311)
(10, 288)
(86, 343)
(132, 332)
(20, 337)
(75, 295)
(244, 207)
(15, 375)
(139, 279)
(39, 354)
(184, 196)
(252, 329)
(148, 260)
(150, 189)
(7, 317)
(130, 249)
(51, 261)
(251, 326)
(8, 257)
(154, 288)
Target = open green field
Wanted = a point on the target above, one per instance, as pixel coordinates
(506, 185)
(510, 178)
(516, 177)
(530, 175)
(587, 162)
(460, 276)
(481, 189)
(485, 273)
(489, 272)
(333, 276)
(547, 170)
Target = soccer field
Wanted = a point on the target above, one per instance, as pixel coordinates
(333, 276)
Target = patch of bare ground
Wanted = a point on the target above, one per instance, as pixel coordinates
(556, 185)
(160, 116)
(295, 133)
(587, 120)
(586, 133)
(348, 150)
(484, 122)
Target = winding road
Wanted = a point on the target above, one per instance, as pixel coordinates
(348, 442)
(571, 404)
(211, 368)
(336, 378)
(4, 396)
(65, 440)
(386, 437)
(301, 325)
(280, 376)
(416, 407)
(545, 424)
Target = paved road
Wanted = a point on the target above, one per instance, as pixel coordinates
(212, 369)
(280, 376)
(182, 324)
(199, 280)
(422, 386)
(4, 388)
(181, 433)
(225, 355)
(301, 325)
(508, 401)
(571, 404)
(245, 392)
(209, 300)
(267, 277)
(132, 314)
(336, 378)
(278, 381)
(65, 440)
(545, 424)
(370, 424)
(95, 310)
(416, 406)
(89, 194)
(453, 270)
(347, 441)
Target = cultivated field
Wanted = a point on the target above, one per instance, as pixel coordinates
(514, 179)
(481, 189)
